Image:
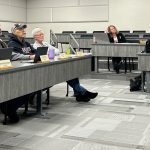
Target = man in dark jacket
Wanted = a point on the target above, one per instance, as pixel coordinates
(22, 50)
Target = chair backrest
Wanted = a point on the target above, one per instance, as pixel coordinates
(98, 31)
(125, 31)
(146, 35)
(132, 35)
(67, 32)
(5, 32)
(139, 31)
(87, 36)
(81, 32)
(133, 41)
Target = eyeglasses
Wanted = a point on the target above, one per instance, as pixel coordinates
(39, 34)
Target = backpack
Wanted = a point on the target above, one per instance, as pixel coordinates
(135, 85)
(147, 46)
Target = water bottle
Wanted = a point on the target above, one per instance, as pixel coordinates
(51, 53)
(68, 51)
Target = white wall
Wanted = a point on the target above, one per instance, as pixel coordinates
(86, 15)
(55, 15)
(12, 11)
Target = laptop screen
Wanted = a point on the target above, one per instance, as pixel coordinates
(5, 53)
(42, 50)
(101, 38)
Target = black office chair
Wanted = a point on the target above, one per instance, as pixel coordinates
(139, 31)
(146, 36)
(81, 32)
(131, 36)
(67, 32)
(98, 31)
(5, 34)
(125, 31)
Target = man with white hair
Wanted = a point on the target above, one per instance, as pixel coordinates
(80, 92)
(38, 35)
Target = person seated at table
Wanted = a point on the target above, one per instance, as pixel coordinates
(80, 92)
(10, 107)
(115, 37)
(21, 50)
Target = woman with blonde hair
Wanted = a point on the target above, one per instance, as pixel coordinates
(115, 37)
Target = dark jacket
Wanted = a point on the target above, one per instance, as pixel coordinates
(120, 36)
(21, 50)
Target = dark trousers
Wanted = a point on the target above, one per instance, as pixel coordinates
(11, 106)
(116, 62)
(77, 88)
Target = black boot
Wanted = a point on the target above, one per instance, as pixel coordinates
(90, 95)
(82, 98)
(13, 117)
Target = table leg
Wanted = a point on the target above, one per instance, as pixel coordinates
(148, 81)
(108, 64)
(143, 81)
(39, 102)
(125, 61)
(40, 113)
(96, 64)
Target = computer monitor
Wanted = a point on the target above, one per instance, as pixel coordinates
(6, 53)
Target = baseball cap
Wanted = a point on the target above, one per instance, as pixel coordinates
(18, 26)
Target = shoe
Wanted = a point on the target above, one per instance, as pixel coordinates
(82, 98)
(117, 71)
(90, 95)
(13, 118)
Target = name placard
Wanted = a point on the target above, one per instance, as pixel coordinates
(44, 58)
(5, 64)
(80, 54)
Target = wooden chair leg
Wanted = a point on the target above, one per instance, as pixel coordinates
(67, 90)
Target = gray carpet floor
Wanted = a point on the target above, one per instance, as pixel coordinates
(116, 120)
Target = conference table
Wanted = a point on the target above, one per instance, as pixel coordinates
(25, 77)
(144, 67)
(126, 50)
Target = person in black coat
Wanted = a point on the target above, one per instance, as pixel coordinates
(115, 37)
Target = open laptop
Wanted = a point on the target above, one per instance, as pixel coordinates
(5, 53)
(40, 51)
(101, 38)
